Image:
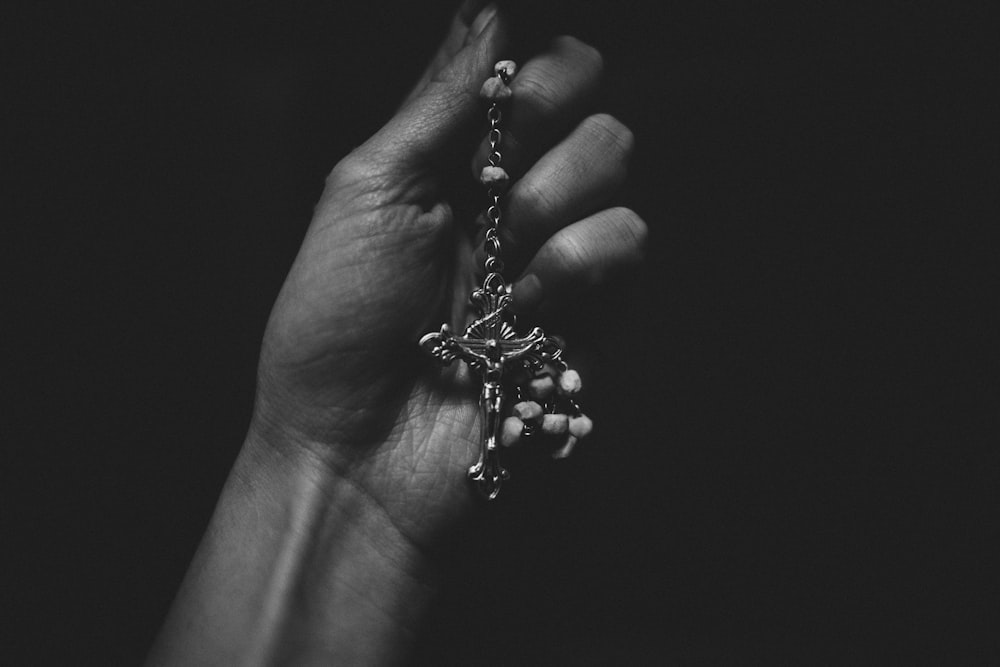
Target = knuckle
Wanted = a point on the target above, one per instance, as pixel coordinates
(365, 168)
(352, 169)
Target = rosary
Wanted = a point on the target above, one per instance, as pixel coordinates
(530, 365)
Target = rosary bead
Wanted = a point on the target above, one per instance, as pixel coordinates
(541, 387)
(494, 177)
(528, 410)
(511, 433)
(566, 449)
(580, 426)
(495, 90)
(569, 382)
(506, 67)
(555, 424)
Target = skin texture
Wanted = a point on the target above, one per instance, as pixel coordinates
(322, 547)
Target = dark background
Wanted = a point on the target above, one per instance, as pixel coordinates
(797, 396)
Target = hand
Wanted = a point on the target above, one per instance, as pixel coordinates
(387, 259)
(356, 458)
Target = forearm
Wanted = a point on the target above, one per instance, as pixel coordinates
(297, 566)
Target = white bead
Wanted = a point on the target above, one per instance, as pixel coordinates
(527, 410)
(569, 382)
(581, 426)
(555, 424)
(510, 435)
(541, 387)
(509, 67)
(495, 177)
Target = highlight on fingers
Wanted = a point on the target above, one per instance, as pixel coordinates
(582, 255)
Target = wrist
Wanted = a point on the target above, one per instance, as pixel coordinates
(298, 564)
(346, 584)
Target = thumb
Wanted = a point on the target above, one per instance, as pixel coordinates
(467, 22)
(442, 118)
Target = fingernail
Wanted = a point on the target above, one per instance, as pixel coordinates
(483, 19)
(469, 9)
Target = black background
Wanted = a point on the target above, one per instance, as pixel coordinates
(796, 397)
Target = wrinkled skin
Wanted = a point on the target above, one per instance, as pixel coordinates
(322, 548)
(385, 260)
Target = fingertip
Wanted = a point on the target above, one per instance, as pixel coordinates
(624, 234)
(612, 133)
(584, 254)
(490, 28)
(469, 9)
(441, 118)
(636, 228)
(483, 19)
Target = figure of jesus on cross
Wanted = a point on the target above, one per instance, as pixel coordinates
(488, 346)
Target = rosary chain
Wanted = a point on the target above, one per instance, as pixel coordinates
(494, 263)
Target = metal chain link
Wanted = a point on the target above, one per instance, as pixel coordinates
(494, 263)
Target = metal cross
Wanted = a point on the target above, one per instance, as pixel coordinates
(488, 346)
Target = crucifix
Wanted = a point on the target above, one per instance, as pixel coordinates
(490, 345)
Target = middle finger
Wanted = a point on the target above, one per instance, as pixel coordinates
(571, 181)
